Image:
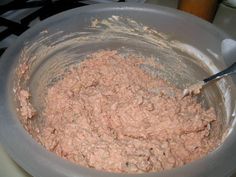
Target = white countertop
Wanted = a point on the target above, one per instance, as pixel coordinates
(8, 168)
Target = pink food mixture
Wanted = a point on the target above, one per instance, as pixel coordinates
(109, 114)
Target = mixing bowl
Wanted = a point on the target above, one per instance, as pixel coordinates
(187, 47)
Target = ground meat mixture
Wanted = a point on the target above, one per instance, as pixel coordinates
(108, 113)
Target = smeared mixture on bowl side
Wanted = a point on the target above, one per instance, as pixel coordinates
(109, 114)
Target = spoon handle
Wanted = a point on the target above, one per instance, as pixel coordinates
(230, 70)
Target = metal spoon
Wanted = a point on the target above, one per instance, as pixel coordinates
(196, 88)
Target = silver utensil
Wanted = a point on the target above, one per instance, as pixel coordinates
(196, 88)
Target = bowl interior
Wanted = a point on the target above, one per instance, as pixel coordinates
(51, 55)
